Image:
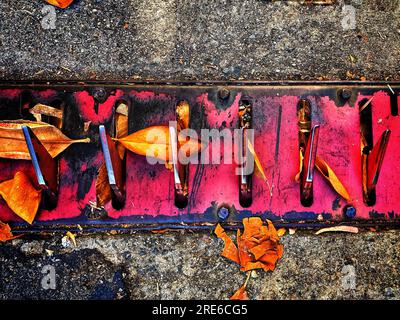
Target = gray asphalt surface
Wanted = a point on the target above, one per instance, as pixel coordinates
(206, 40)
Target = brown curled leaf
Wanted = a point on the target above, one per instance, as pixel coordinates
(103, 188)
(230, 250)
(333, 180)
(13, 145)
(21, 196)
(154, 142)
(42, 109)
(121, 127)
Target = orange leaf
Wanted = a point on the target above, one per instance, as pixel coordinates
(5, 232)
(240, 294)
(154, 142)
(333, 180)
(182, 112)
(21, 196)
(103, 188)
(60, 3)
(12, 140)
(230, 250)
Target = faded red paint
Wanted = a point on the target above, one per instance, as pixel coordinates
(150, 188)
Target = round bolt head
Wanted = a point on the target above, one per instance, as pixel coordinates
(223, 94)
(223, 213)
(345, 94)
(349, 211)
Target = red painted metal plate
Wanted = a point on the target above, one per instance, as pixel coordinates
(150, 188)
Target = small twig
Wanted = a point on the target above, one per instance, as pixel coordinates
(390, 88)
(366, 104)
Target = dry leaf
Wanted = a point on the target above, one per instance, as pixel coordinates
(103, 188)
(21, 196)
(13, 145)
(241, 293)
(292, 231)
(259, 168)
(338, 229)
(71, 236)
(121, 124)
(60, 3)
(230, 250)
(281, 232)
(182, 112)
(258, 246)
(301, 158)
(42, 109)
(329, 175)
(5, 232)
(154, 142)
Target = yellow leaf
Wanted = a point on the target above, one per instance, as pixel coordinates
(13, 145)
(21, 196)
(71, 236)
(182, 112)
(329, 175)
(259, 167)
(281, 232)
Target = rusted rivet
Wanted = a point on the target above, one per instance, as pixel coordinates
(223, 213)
(349, 211)
(223, 93)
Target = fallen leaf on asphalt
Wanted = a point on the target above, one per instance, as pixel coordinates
(60, 3)
(21, 196)
(241, 293)
(230, 250)
(292, 231)
(12, 140)
(71, 236)
(5, 232)
(258, 246)
(338, 229)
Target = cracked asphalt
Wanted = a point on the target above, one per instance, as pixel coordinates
(201, 40)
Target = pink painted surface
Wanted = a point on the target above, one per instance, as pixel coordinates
(150, 187)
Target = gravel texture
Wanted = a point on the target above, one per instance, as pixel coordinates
(206, 40)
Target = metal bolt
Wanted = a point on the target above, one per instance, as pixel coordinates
(223, 94)
(349, 212)
(99, 94)
(345, 94)
(223, 213)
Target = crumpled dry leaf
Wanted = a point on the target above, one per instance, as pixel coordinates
(241, 293)
(258, 246)
(103, 188)
(154, 141)
(60, 3)
(21, 196)
(259, 168)
(5, 232)
(338, 229)
(333, 180)
(13, 145)
(230, 250)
